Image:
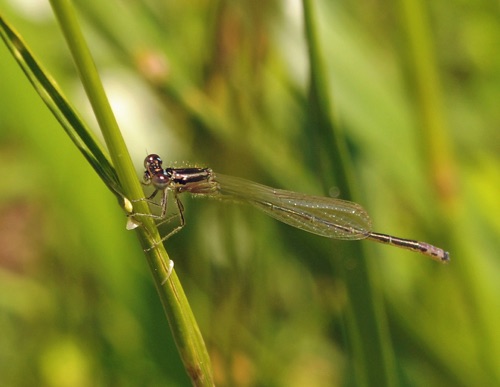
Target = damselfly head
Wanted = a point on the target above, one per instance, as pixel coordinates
(153, 162)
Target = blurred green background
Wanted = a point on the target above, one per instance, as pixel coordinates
(224, 84)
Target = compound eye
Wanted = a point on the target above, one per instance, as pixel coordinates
(153, 161)
(160, 181)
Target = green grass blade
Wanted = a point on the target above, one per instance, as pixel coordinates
(183, 325)
(366, 327)
(442, 166)
(58, 104)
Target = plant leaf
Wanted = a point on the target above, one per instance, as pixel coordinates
(63, 111)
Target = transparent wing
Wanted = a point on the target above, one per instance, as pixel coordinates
(328, 217)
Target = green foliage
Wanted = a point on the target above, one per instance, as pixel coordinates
(414, 93)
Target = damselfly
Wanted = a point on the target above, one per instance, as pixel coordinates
(328, 217)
